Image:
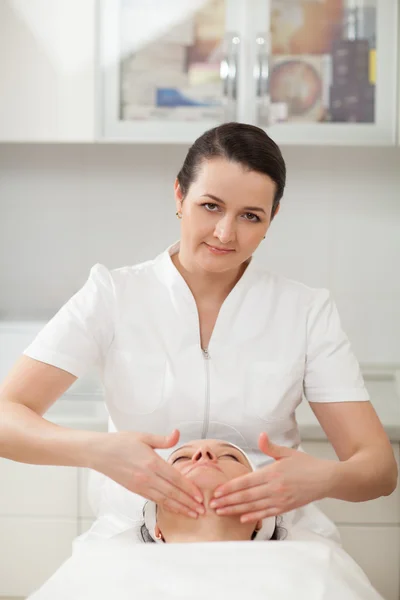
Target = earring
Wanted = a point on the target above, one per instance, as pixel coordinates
(179, 215)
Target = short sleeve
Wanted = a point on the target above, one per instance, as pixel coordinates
(332, 371)
(77, 337)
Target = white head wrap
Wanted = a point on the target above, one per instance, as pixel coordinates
(150, 514)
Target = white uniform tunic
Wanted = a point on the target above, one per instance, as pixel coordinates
(274, 340)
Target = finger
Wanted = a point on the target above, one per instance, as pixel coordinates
(246, 507)
(240, 483)
(161, 441)
(273, 511)
(173, 493)
(180, 487)
(256, 492)
(273, 450)
(172, 505)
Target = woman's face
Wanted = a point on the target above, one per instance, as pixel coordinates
(226, 207)
(209, 463)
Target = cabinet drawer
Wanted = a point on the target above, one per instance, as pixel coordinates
(31, 551)
(37, 490)
(384, 510)
(377, 551)
(84, 508)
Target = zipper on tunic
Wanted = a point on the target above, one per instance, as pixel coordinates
(207, 357)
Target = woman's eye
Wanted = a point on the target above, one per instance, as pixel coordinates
(252, 217)
(232, 456)
(210, 206)
(179, 458)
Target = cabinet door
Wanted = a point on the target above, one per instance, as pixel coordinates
(84, 509)
(47, 70)
(31, 551)
(37, 490)
(398, 97)
(377, 551)
(332, 71)
(168, 67)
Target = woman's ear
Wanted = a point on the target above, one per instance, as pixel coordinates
(276, 211)
(157, 532)
(178, 195)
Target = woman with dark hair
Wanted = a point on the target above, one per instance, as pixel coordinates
(202, 342)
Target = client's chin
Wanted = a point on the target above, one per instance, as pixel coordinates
(209, 527)
(207, 479)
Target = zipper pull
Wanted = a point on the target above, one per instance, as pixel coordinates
(205, 352)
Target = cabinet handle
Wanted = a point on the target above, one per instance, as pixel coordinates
(228, 73)
(267, 112)
(261, 76)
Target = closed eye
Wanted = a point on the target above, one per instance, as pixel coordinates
(232, 456)
(179, 458)
(187, 457)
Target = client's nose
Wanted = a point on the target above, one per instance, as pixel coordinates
(204, 453)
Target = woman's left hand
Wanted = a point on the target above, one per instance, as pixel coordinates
(293, 480)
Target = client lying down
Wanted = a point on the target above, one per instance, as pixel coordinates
(178, 566)
(209, 463)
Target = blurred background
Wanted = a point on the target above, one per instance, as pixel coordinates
(99, 103)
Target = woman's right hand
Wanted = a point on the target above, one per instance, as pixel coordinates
(128, 457)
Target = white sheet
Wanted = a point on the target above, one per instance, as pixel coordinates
(121, 569)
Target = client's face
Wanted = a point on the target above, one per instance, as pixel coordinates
(209, 463)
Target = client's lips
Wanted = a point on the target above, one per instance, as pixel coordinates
(209, 465)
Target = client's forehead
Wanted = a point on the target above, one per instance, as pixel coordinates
(213, 443)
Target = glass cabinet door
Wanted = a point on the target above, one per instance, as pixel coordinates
(328, 71)
(169, 67)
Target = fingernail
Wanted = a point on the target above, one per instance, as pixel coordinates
(193, 514)
(199, 499)
(217, 494)
(200, 510)
(213, 503)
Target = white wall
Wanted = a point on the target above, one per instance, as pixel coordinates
(65, 207)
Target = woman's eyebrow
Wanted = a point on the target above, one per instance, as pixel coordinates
(249, 208)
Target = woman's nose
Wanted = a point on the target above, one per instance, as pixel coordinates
(225, 231)
(204, 453)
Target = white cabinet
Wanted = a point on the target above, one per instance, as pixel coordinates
(308, 72)
(164, 71)
(47, 70)
(377, 551)
(38, 522)
(398, 83)
(370, 531)
(37, 491)
(31, 550)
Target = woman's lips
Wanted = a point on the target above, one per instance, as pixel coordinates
(215, 250)
(210, 466)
